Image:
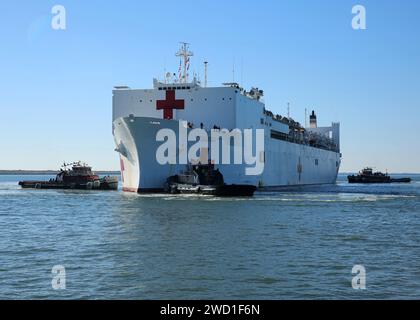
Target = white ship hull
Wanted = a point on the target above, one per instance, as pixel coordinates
(286, 163)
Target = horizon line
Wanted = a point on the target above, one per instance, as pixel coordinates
(5, 171)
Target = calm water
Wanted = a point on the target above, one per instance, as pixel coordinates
(295, 244)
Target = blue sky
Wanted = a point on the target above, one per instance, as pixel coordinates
(56, 86)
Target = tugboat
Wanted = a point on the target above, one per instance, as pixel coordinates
(205, 180)
(78, 176)
(368, 176)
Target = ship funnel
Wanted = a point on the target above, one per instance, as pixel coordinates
(312, 120)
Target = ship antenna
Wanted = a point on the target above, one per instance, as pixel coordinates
(242, 71)
(306, 117)
(205, 73)
(164, 73)
(233, 71)
(185, 54)
(288, 110)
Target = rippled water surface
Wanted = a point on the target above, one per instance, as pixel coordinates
(294, 244)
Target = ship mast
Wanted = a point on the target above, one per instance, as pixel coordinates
(185, 54)
(205, 73)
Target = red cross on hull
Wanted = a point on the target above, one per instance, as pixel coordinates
(169, 105)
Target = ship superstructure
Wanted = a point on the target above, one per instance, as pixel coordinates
(293, 154)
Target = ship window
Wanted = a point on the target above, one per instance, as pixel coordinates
(151, 100)
(141, 100)
(192, 99)
(316, 162)
(279, 135)
(223, 99)
(205, 99)
(262, 121)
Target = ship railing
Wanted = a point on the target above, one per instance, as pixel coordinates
(313, 140)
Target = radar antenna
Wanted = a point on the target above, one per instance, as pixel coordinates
(185, 54)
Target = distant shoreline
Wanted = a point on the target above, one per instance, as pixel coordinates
(117, 173)
(49, 172)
